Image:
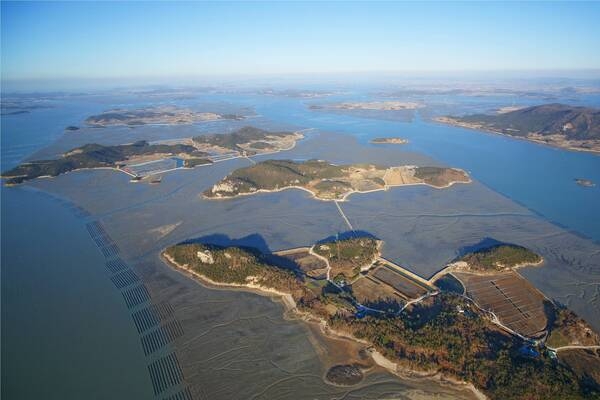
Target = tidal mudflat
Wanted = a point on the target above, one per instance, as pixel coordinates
(424, 228)
(238, 344)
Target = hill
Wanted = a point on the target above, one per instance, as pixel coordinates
(554, 124)
(501, 257)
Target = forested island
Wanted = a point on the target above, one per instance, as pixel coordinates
(327, 181)
(558, 125)
(501, 257)
(443, 333)
(200, 150)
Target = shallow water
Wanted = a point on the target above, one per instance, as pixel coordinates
(66, 333)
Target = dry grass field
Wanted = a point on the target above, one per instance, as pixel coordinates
(403, 285)
(309, 264)
(368, 290)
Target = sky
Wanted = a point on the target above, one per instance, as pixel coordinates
(104, 40)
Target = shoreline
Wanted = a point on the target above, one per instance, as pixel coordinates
(290, 308)
(449, 122)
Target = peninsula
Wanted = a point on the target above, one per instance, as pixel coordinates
(99, 156)
(163, 115)
(326, 181)
(439, 333)
(558, 125)
(141, 158)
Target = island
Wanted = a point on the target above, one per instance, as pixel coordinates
(437, 333)
(585, 182)
(142, 159)
(248, 141)
(500, 257)
(162, 115)
(326, 181)
(558, 125)
(389, 140)
(375, 105)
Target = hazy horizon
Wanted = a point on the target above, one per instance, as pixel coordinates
(158, 42)
(456, 79)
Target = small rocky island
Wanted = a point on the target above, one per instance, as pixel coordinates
(584, 182)
(344, 375)
(326, 181)
(389, 140)
(440, 332)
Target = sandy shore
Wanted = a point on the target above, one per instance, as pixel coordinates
(291, 309)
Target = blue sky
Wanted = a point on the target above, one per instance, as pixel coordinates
(54, 40)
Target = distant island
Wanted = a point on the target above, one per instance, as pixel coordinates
(17, 105)
(407, 324)
(326, 181)
(164, 115)
(584, 182)
(559, 125)
(389, 140)
(142, 159)
(371, 106)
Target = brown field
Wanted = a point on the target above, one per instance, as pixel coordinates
(368, 290)
(516, 303)
(308, 263)
(405, 286)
